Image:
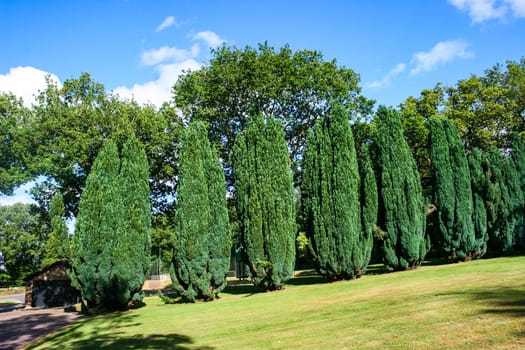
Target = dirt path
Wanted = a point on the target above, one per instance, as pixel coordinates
(21, 327)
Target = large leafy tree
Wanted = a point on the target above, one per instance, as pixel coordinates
(296, 87)
(401, 206)
(13, 145)
(487, 109)
(331, 190)
(451, 185)
(58, 245)
(68, 126)
(265, 199)
(21, 242)
(201, 241)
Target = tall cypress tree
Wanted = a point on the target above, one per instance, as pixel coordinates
(369, 205)
(265, 199)
(451, 185)
(501, 204)
(331, 187)
(479, 175)
(131, 255)
(518, 158)
(97, 222)
(58, 245)
(401, 207)
(202, 235)
(111, 243)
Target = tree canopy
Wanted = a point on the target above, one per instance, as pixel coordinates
(295, 87)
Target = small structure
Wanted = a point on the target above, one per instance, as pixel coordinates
(51, 287)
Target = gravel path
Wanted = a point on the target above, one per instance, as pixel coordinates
(22, 327)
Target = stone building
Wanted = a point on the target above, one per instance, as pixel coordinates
(51, 287)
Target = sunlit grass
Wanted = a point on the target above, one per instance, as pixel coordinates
(475, 305)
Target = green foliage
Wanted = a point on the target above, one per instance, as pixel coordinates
(401, 207)
(111, 243)
(518, 158)
(452, 192)
(331, 190)
(131, 255)
(97, 223)
(58, 245)
(21, 242)
(13, 143)
(265, 199)
(488, 108)
(67, 127)
(369, 205)
(293, 86)
(504, 203)
(202, 243)
(481, 186)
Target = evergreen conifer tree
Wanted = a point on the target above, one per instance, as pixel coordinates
(501, 204)
(111, 244)
(369, 205)
(97, 222)
(202, 235)
(479, 175)
(451, 186)
(265, 199)
(58, 244)
(401, 207)
(331, 186)
(518, 157)
(131, 255)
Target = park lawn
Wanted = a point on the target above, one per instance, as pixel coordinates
(474, 305)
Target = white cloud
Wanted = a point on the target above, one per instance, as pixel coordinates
(25, 82)
(442, 52)
(158, 91)
(483, 10)
(517, 7)
(398, 69)
(210, 38)
(168, 53)
(168, 22)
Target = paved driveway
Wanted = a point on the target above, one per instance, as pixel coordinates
(21, 327)
(20, 297)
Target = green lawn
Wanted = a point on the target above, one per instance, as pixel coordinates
(475, 305)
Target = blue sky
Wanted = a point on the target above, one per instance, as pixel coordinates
(137, 48)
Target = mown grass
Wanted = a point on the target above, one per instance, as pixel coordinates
(475, 305)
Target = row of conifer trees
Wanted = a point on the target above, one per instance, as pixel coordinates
(352, 199)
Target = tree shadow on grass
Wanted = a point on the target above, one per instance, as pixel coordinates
(504, 301)
(241, 287)
(307, 277)
(109, 332)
